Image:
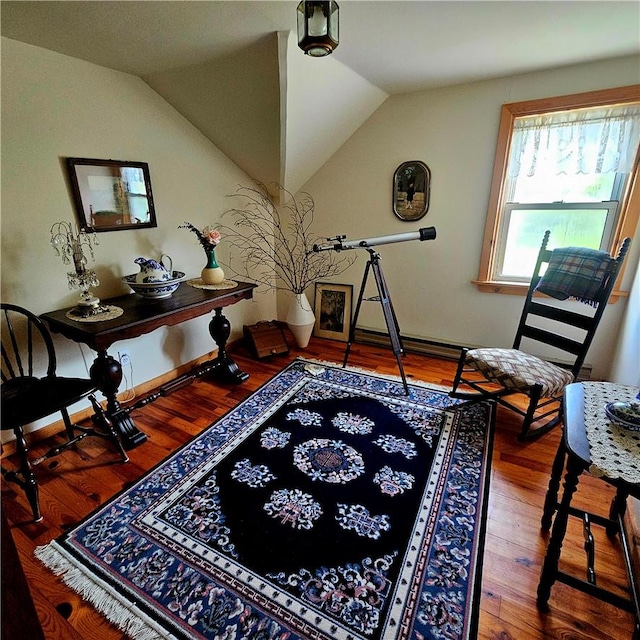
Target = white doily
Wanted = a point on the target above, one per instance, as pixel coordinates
(225, 284)
(615, 451)
(111, 312)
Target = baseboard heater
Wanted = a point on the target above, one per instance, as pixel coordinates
(411, 345)
(431, 348)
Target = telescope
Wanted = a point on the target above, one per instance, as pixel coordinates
(339, 243)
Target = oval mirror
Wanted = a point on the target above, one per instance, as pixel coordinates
(411, 187)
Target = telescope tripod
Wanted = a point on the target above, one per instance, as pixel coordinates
(387, 309)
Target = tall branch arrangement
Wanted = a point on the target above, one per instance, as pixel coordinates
(268, 241)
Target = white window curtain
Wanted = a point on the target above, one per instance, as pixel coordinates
(586, 141)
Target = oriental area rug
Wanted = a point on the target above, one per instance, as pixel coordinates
(328, 505)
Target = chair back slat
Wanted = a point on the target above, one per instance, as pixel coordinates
(579, 320)
(563, 343)
(10, 339)
(30, 348)
(7, 371)
(565, 316)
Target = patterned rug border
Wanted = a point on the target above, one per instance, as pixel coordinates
(132, 619)
(384, 376)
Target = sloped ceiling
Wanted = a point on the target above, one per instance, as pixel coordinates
(235, 102)
(278, 114)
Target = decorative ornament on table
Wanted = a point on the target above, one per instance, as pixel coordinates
(70, 242)
(273, 246)
(155, 279)
(209, 238)
(152, 271)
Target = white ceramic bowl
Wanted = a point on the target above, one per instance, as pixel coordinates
(155, 290)
(624, 414)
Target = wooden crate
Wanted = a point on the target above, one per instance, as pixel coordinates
(265, 339)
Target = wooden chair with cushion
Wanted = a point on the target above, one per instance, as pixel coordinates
(493, 374)
(31, 390)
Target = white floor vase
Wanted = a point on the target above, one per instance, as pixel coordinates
(300, 319)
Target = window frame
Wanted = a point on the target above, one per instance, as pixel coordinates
(629, 211)
(611, 206)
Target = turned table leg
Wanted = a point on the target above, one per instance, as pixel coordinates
(106, 372)
(223, 366)
(551, 499)
(552, 558)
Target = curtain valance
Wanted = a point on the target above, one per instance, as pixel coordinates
(585, 141)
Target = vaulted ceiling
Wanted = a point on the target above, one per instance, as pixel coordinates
(231, 68)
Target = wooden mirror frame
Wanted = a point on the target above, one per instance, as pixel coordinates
(105, 200)
(408, 205)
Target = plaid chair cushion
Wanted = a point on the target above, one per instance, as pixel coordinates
(514, 369)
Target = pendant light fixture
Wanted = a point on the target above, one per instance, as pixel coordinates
(318, 27)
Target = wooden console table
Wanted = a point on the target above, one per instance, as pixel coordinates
(143, 315)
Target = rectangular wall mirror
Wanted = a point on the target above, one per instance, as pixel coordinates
(111, 195)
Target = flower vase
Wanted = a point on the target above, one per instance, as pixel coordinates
(212, 272)
(300, 319)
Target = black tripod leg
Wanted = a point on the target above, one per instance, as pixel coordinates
(352, 329)
(391, 320)
(385, 299)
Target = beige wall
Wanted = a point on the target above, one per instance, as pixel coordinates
(453, 130)
(54, 106)
(626, 362)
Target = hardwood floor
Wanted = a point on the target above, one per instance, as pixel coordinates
(76, 482)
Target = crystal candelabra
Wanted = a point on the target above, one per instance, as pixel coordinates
(70, 244)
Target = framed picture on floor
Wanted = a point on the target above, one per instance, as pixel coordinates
(333, 311)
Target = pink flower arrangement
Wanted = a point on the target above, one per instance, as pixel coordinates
(209, 237)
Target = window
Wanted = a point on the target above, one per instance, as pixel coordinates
(566, 164)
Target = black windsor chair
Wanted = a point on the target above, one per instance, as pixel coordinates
(31, 390)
